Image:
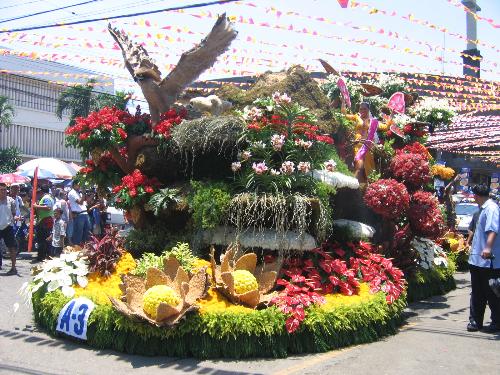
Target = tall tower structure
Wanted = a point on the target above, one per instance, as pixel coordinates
(471, 56)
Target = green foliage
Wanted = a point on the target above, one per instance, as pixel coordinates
(162, 200)
(153, 238)
(181, 252)
(80, 100)
(431, 282)
(6, 113)
(10, 159)
(209, 203)
(259, 333)
(119, 100)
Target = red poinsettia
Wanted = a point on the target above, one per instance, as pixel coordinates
(135, 189)
(411, 169)
(425, 216)
(388, 198)
(379, 272)
(167, 120)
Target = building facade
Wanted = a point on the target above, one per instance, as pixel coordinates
(33, 87)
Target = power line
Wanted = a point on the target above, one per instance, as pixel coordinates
(20, 4)
(196, 5)
(48, 11)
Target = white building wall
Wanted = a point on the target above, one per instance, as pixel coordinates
(36, 131)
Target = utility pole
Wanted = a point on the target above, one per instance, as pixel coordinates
(471, 56)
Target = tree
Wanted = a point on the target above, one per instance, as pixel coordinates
(80, 100)
(10, 159)
(6, 113)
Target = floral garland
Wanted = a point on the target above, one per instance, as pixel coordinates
(135, 189)
(388, 198)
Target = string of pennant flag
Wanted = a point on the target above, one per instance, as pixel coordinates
(458, 4)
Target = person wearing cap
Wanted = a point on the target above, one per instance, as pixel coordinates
(44, 221)
(81, 222)
(7, 219)
(484, 262)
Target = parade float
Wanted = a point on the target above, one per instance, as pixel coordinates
(245, 241)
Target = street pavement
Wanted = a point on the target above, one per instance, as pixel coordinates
(433, 341)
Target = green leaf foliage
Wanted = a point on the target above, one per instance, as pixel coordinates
(10, 159)
(152, 239)
(181, 252)
(431, 282)
(209, 203)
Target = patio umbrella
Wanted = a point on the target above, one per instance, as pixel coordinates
(75, 166)
(43, 174)
(12, 178)
(57, 168)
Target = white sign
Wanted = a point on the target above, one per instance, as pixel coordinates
(73, 317)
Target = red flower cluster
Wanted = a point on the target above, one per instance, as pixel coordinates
(388, 198)
(135, 187)
(304, 279)
(379, 272)
(412, 169)
(102, 120)
(425, 216)
(167, 121)
(415, 130)
(415, 148)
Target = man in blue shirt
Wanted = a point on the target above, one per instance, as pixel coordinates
(484, 262)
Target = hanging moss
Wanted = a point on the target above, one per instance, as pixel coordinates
(283, 213)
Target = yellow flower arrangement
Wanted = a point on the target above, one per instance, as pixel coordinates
(158, 294)
(335, 300)
(215, 302)
(99, 287)
(442, 172)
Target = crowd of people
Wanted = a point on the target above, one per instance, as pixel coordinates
(62, 218)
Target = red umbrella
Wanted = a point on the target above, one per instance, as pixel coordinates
(12, 178)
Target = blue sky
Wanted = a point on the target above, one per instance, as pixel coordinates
(344, 44)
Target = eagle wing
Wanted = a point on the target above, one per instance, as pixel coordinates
(198, 59)
(135, 56)
(328, 68)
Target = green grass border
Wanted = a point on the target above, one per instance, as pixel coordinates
(433, 282)
(260, 333)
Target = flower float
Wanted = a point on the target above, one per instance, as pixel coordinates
(240, 281)
(163, 298)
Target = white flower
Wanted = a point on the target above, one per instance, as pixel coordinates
(281, 98)
(245, 155)
(274, 172)
(330, 165)
(235, 166)
(305, 144)
(259, 144)
(277, 141)
(288, 167)
(251, 113)
(304, 166)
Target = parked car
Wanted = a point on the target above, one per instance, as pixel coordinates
(464, 213)
(115, 217)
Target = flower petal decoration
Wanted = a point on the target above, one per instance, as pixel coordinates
(241, 281)
(187, 289)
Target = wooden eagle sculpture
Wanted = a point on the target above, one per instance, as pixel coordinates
(162, 93)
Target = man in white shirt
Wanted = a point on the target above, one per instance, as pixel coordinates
(7, 219)
(81, 222)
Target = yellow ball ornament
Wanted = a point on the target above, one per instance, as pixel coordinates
(244, 282)
(156, 295)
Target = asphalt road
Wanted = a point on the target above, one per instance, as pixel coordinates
(433, 341)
